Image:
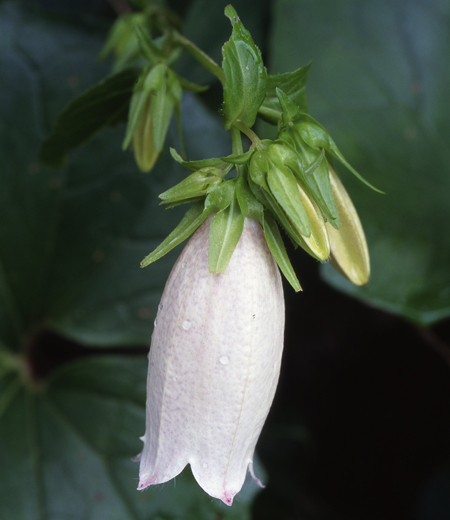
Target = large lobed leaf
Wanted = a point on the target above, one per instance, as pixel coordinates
(70, 245)
(377, 84)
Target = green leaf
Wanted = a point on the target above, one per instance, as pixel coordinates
(104, 104)
(276, 246)
(67, 452)
(245, 75)
(385, 102)
(224, 234)
(293, 85)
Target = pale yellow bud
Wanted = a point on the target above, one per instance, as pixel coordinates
(349, 252)
(317, 244)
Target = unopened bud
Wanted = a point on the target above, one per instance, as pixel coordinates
(349, 251)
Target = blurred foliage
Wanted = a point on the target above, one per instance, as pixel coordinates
(376, 83)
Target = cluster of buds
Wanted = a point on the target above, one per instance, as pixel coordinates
(216, 348)
(293, 176)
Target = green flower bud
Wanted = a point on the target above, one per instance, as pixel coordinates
(144, 149)
(349, 252)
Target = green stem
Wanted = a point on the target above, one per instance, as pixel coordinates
(256, 141)
(236, 143)
(200, 56)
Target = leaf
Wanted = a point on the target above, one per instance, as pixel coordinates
(378, 88)
(293, 85)
(104, 104)
(67, 451)
(245, 75)
(224, 234)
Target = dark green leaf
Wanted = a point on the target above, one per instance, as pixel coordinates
(379, 88)
(245, 75)
(293, 85)
(67, 451)
(104, 104)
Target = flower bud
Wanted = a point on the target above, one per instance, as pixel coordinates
(349, 252)
(144, 148)
(213, 365)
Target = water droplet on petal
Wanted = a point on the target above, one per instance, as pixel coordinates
(160, 306)
(224, 360)
(154, 323)
(184, 265)
(186, 324)
(205, 465)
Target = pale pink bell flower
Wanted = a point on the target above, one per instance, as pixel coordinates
(214, 364)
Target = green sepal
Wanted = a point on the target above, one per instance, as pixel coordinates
(317, 137)
(148, 47)
(268, 201)
(195, 185)
(276, 246)
(289, 109)
(238, 159)
(193, 218)
(166, 98)
(221, 196)
(104, 104)
(283, 185)
(258, 169)
(310, 167)
(293, 85)
(250, 207)
(224, 234)
(148, 82)
(245, 75)
(198, 165)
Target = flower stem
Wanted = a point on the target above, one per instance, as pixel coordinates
(200, 56)
(236, 143)
(250, 134)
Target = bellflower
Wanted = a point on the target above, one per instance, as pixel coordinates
(214, 364)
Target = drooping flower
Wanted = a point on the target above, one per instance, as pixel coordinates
(213, 365)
